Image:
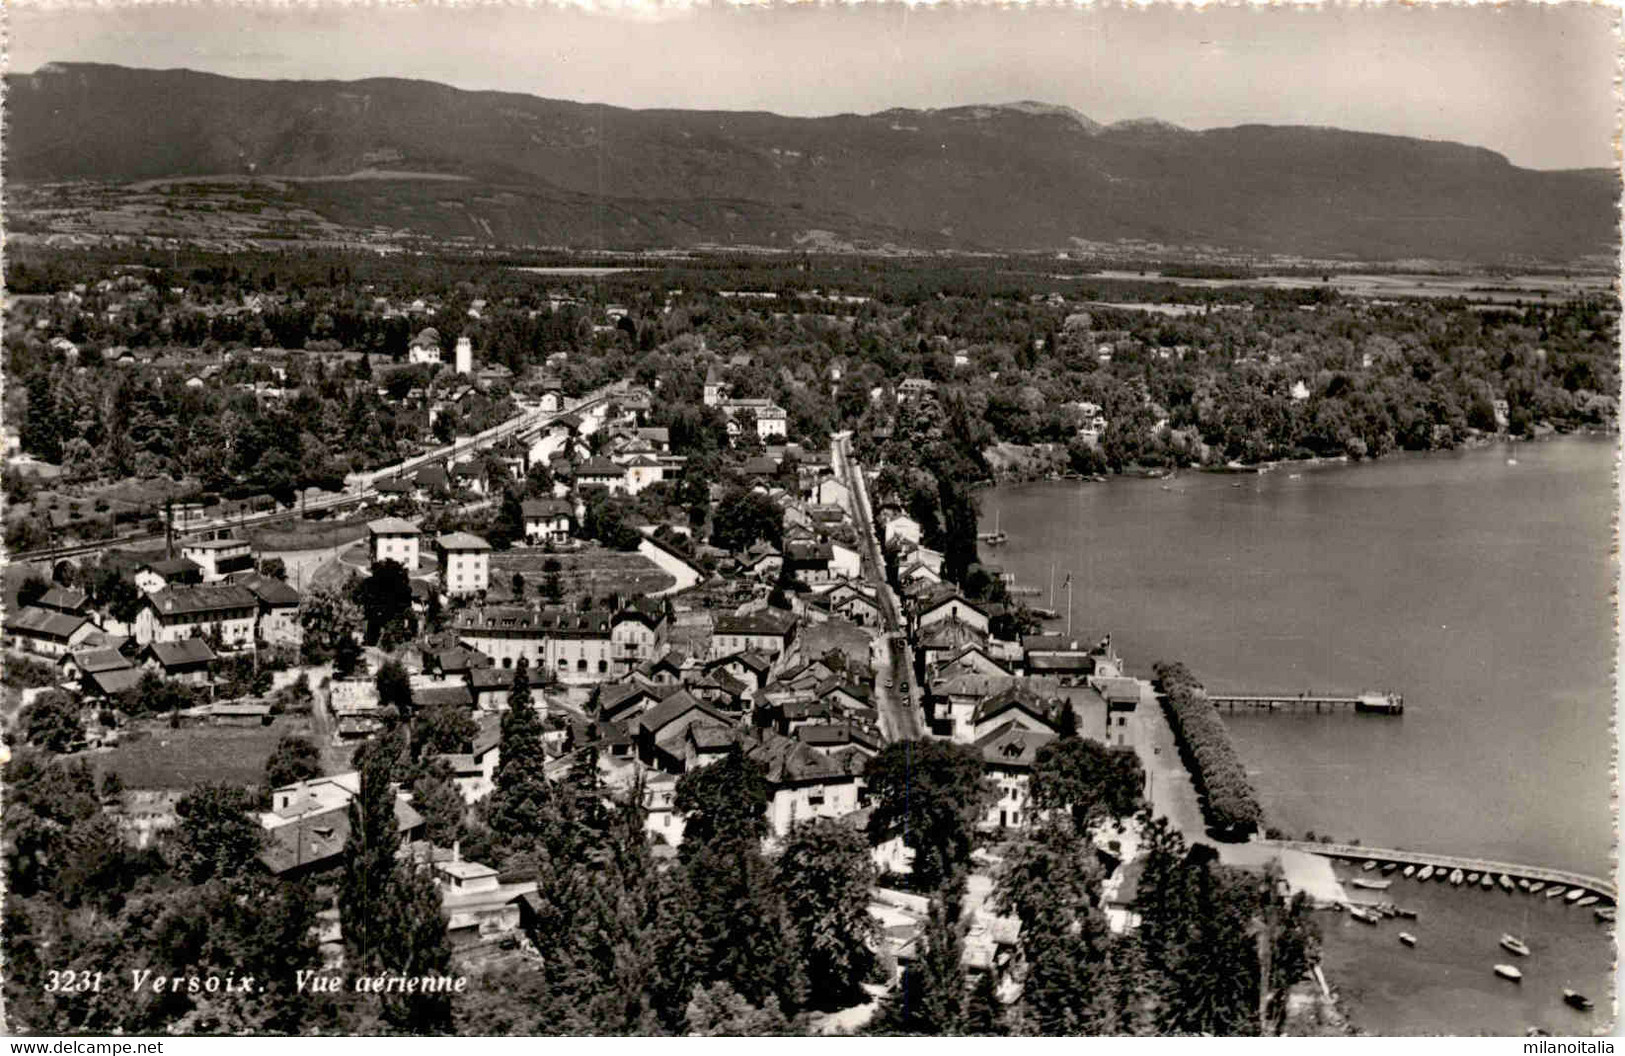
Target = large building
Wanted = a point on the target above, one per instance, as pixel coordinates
(394, 539)
(765, 632)
(174, 613)
(465, 563)
(219, 558)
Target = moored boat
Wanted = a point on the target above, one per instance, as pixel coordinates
(1370, 864)
(1372, 885)
(1407, 938)
(1589, 900)
(1389, 867)
(1604, 915)
(1442, 874)
(1523, 885)
(1456, 877)
(1537, 887)
(1575, 895)
(1575, 999)
(1363, 916)
(1555, 891)
(1472, 878)
(1506, 971)
(1505, 881)
(1486, 881)
(1410, 871)
(1401, 911)
(1513, 944)
(1426, 873)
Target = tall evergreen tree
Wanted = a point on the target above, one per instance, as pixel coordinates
(930, 793)
(825, 872)
(722, 802)
(369, 859)
(523, 795)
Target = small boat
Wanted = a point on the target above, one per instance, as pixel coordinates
(1363, 916)
(1426, 873)
(1410, 871)
(1506, 971)
(1513, 944)
(1472, 878)
(1486, 881)
(1407, 938)
(1523, 885)
(1389, 867)
(1368, 866)
(1589, 900)
(1555, 891)
(1512, 461)
(1575, 999)
(1401, 911)
(1237, 484)
(1456, 877)
(1505, 881)
(1575, 895)
(1537, 887)
(1372, 885)
(1442, 875)
(1604, 915)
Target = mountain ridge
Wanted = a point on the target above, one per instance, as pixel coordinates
(1021, 175)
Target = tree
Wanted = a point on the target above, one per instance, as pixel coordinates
(435, 795)
(294, 759)
(52, 723)
(825, 872)
(412, 942)
(33, 588)
(386, 603)
(523, 796)
(931, 793)
(328, 619)
(726, 801)
(395, 690)
(718, 1011)
(509, 525)
(743, 517)
(365, 910)
(1088, 780)
(552, 582)
(518, 586)
(442, 729)
(274, 567)
(931, 998)
(218, 834)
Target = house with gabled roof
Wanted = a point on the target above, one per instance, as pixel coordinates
(661, 730)
(66, 601)
(601, 472)
(1022, 703)
(45, 632)
(175, 613)
(1008, 752)
(278, 608)
(769, 632)
(547, 520)
(804, 782)
(153, 576)
(185, 660)
(475, 770)
(953, 606)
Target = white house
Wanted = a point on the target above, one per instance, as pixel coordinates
(219, 558)
(394, 539)
(465, 563)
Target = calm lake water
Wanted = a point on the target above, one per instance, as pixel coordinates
(1479, 589)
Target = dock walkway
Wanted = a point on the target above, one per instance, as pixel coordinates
(1355, 852)
(1380, 703)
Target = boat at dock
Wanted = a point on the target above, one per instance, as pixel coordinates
(1472, 878)
(1575, 999)
(1555, 891)
(1389, 867)
(1369, 865)
(1407, 938)
(1589, 900)
(1604, 915)
(1509, 973)
(1426, 874)
(996, 537)
(1371, 885)
(1505, 881)
(1575, 895)
(1401, 911)
(1486, 881)
(1363, 916)
(1537, 887)
(1456, 877)
(1410, 871)
(1523, 885)
(1513, 944)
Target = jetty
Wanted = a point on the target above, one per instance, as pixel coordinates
(1354, 852)
(1372, 702)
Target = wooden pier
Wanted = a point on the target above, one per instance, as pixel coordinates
(1376, 703)
(1356, 853)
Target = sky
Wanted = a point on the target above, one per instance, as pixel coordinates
(1532, 81)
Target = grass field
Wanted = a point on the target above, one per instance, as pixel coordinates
(595, 571)
(151, 755)
(306, 535)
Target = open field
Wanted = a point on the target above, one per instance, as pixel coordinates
(595, 571)
(306, 535)
(151, 755)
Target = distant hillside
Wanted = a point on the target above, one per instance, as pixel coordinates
(1016, 176)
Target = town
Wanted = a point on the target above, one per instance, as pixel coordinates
(545, 627)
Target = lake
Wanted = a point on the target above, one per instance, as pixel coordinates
(1477, 583)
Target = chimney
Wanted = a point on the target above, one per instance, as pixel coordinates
(456, 850)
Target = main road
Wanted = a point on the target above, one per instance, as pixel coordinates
(895, 691)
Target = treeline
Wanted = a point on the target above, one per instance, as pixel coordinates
(1228, 799)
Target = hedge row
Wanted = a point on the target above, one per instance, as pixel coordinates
(1231, 804)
